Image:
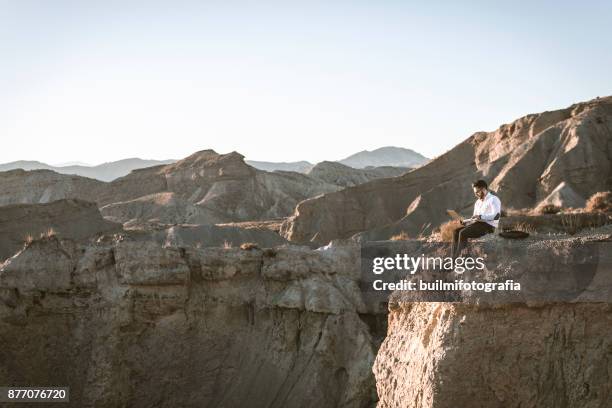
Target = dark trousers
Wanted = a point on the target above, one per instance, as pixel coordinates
(461, 235)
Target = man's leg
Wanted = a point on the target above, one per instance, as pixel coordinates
(455, 240)
(475, 230)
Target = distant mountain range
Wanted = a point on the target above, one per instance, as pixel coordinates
(203, 188)
(104, 172)
(388, 156)
(383, 157)
(299, 166)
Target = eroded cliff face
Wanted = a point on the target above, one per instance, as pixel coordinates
(455, 355)
(130, 323)
(135, 320)
(523, 350)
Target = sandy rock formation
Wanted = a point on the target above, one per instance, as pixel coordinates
(74, 219)
(164, 208)
(524, 161)
(453, 355)
(547, 346)
(44, 186)
(204, 188)
(345, 176)
(222, 186)
(130, 323)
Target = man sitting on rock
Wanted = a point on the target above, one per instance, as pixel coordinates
(487, 211)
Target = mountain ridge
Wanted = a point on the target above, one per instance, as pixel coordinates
(112, 170)
(523, 161)
(107, 171)
(385, 156)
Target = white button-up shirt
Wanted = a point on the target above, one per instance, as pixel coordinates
(488, 208)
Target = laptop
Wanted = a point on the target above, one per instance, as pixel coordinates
(454, 215)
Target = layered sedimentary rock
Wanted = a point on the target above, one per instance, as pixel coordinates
(74, 219)
(130, 323)
(565, 151)
(545, 346)
(453, 355)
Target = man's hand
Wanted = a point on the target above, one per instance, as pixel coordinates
(470, 220)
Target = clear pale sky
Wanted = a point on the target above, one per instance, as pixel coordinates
(95, 81)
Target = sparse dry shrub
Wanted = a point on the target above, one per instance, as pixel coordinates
(28, 239)
(600, 202)
(447, 229)
(227, 245)
(249, 246)
(402, 236)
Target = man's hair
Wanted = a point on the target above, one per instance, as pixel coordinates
(480, 184)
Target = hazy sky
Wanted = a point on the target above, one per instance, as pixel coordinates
(96, 81)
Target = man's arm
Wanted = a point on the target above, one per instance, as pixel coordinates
(474, 217)
(491, 210)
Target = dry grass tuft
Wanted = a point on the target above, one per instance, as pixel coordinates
(48, 233)
(447, 229)
(402, 236)
(227, 245)
(600, 202)
(29, 239)
(249, 246)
